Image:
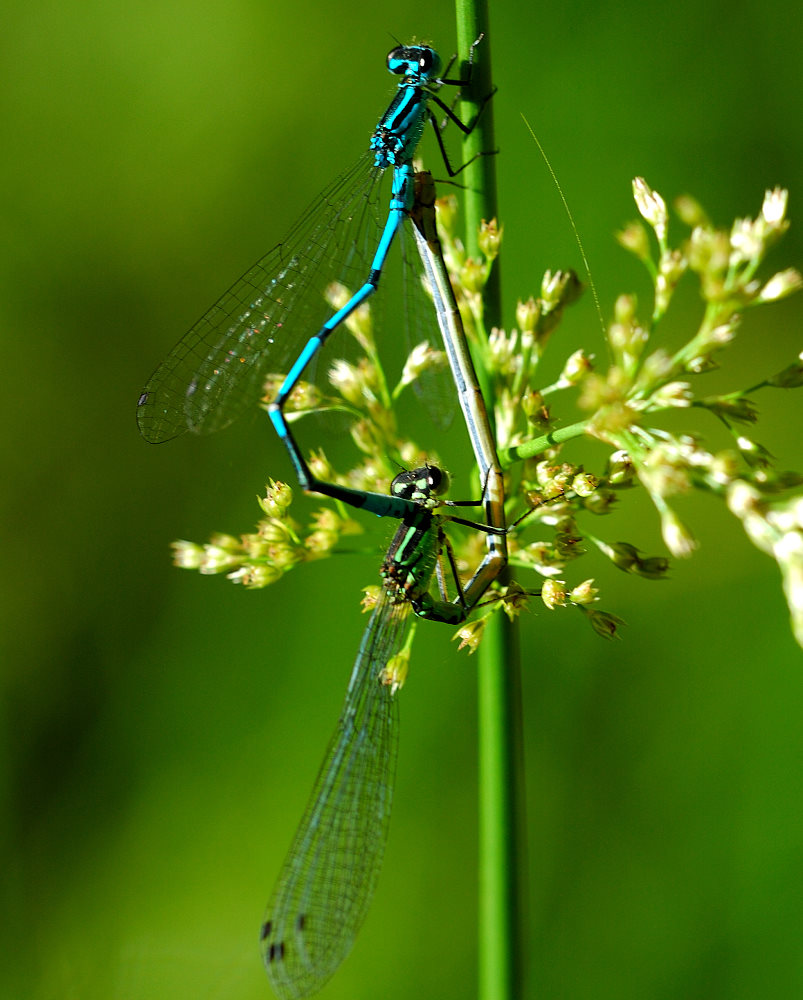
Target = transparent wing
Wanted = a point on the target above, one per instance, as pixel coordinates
(218, 368)
(434, 386)
(330, 873)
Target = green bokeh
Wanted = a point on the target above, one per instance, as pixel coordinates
(162, 730)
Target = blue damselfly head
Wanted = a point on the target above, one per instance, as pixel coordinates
(418, 61)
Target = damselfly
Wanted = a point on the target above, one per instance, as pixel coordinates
(259, 326)
(329, 875)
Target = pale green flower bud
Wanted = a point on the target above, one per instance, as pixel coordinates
(733, 407)
(358, 322)
(773, 210)
(791, 377)
(278, 497)
(626, 337)
(789, 554)
(747, 242)
(600, 502)
(353, 382)
(367, 437)
(273, 531)
(514, 600)
(337, 295)
(473, 275)
(532, 405)
(304, 397)
(603, 623)
(725, 466)
(394, 673)
(620, 470)
(217, 559)
(577, 365)
(320, 543)
(634, 238)
(553, 594)
(691, 211)
(285, 554)
(756, 455)
(370, 597)
(672, 394)
(254, 577)
(227, 543)
(708, 251)
(257, 546)
(320, 466)
(670, 269)
(583, 593)
(187, 555)
(490, 239)
(527, 314)
(584, 484)
(447, 214)
(327, 519)
(780, 285)
(422, 358)
(560, 288)
(622, 554)
(677, 537)
(652, 207)
(744, 499)
(470, 634)
(747, 504)
(653, 567)
(542, 558)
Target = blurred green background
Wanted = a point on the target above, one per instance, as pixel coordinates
(161, 730)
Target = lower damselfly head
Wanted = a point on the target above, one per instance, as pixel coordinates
(417, 61)
(421, 484)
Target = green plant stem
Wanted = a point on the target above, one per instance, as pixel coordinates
(499, 669)
(507, 456)
(500, 824)
(479, 176)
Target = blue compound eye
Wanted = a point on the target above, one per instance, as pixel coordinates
(395, 56)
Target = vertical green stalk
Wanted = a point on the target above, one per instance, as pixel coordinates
(499, 672)
(479, 176)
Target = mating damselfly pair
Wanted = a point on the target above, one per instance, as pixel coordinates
(275, 318)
